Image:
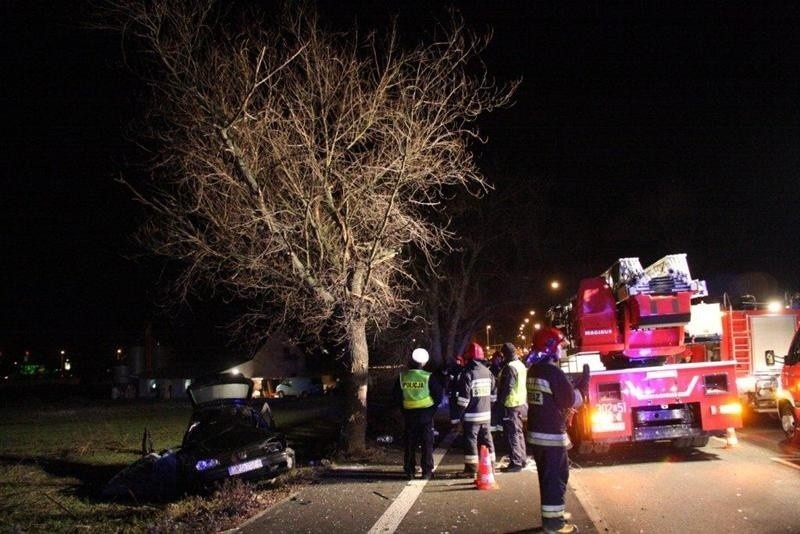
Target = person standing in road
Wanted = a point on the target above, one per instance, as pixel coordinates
(550, 398)
(476, 393)
(512, 396)
(452, 379)
(420, 394)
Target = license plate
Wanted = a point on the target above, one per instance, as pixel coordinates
(245, 467)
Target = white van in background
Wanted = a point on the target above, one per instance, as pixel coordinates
(299, 386)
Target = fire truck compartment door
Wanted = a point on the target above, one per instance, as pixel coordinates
(770, 332)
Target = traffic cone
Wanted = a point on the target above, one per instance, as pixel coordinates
(485, 479)
(730, 438)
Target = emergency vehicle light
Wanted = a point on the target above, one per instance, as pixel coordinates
(733, 408)
(607, 420)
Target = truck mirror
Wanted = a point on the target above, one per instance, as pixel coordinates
(770, 357)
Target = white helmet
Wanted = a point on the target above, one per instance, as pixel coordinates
(420, 356)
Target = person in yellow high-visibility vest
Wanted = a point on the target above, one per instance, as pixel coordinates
(512, 395)
(419, 392)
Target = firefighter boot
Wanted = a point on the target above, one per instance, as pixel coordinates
(566, 528)
(470, 471)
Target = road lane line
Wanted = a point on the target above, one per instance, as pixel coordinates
(584, 498)
(785, 462)
(393, 516)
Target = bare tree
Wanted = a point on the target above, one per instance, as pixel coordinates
(295, 166)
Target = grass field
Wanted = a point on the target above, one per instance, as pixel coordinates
(55, 460)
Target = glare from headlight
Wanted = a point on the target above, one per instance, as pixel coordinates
(774, 306)
(202, 465)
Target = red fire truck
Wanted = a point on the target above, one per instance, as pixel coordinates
(754, 334)
(628, 326)
(789, 391)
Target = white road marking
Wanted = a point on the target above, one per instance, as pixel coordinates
(591, 509)
(393, 516)
(786, 462)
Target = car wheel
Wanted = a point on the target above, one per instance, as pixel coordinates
(280, 394)
(788, 423)
(304, 395)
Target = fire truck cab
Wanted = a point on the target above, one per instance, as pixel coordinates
(788, 405)
(628, 326)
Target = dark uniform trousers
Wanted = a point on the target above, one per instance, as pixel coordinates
(418, 432)
(515, 433)
(552, 468)
(475, 435)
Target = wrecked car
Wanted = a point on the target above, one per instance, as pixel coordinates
(228, 436)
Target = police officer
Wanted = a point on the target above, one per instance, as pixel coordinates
(550, 397)
(512, 396)
(421, 393)
(476, 393)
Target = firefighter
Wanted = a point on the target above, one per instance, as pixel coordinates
(452, 378)
(511, 395)
(476, 393)
(421, 393)
(551, 397)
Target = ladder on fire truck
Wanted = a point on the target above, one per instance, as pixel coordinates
(739, 325)
(670, 274)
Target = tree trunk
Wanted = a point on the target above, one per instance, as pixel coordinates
(355, 425)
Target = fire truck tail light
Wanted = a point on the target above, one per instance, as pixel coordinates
(733, 408)
(602, 421)
(608, 418)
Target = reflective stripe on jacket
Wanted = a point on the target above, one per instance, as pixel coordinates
(550, 394)
(416, 392)
(477, 390)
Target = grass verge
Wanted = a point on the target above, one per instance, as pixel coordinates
(56, 459)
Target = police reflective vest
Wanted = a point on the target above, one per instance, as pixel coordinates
(416, 394)
(518, 394)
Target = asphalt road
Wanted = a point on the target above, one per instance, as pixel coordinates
(753, 487)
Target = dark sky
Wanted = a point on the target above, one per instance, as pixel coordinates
(658, 128)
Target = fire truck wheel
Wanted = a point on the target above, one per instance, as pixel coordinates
(788, 422)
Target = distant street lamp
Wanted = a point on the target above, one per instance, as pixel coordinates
(555, 285)
(533, 328)
(488, 327)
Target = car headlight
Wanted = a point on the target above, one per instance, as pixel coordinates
(202, 465)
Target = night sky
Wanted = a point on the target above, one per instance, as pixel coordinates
(657, 128)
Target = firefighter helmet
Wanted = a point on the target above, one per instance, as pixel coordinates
(473, 352)
(547, 340)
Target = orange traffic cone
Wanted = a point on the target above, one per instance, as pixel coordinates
(485, 479)
(730, 437)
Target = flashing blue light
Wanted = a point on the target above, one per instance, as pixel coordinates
(202, 465)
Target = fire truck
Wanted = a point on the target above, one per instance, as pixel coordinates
(754, 334)
(789, 391)
(627, 325)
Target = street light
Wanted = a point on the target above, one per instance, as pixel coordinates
(555, 284)
(488, 327)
